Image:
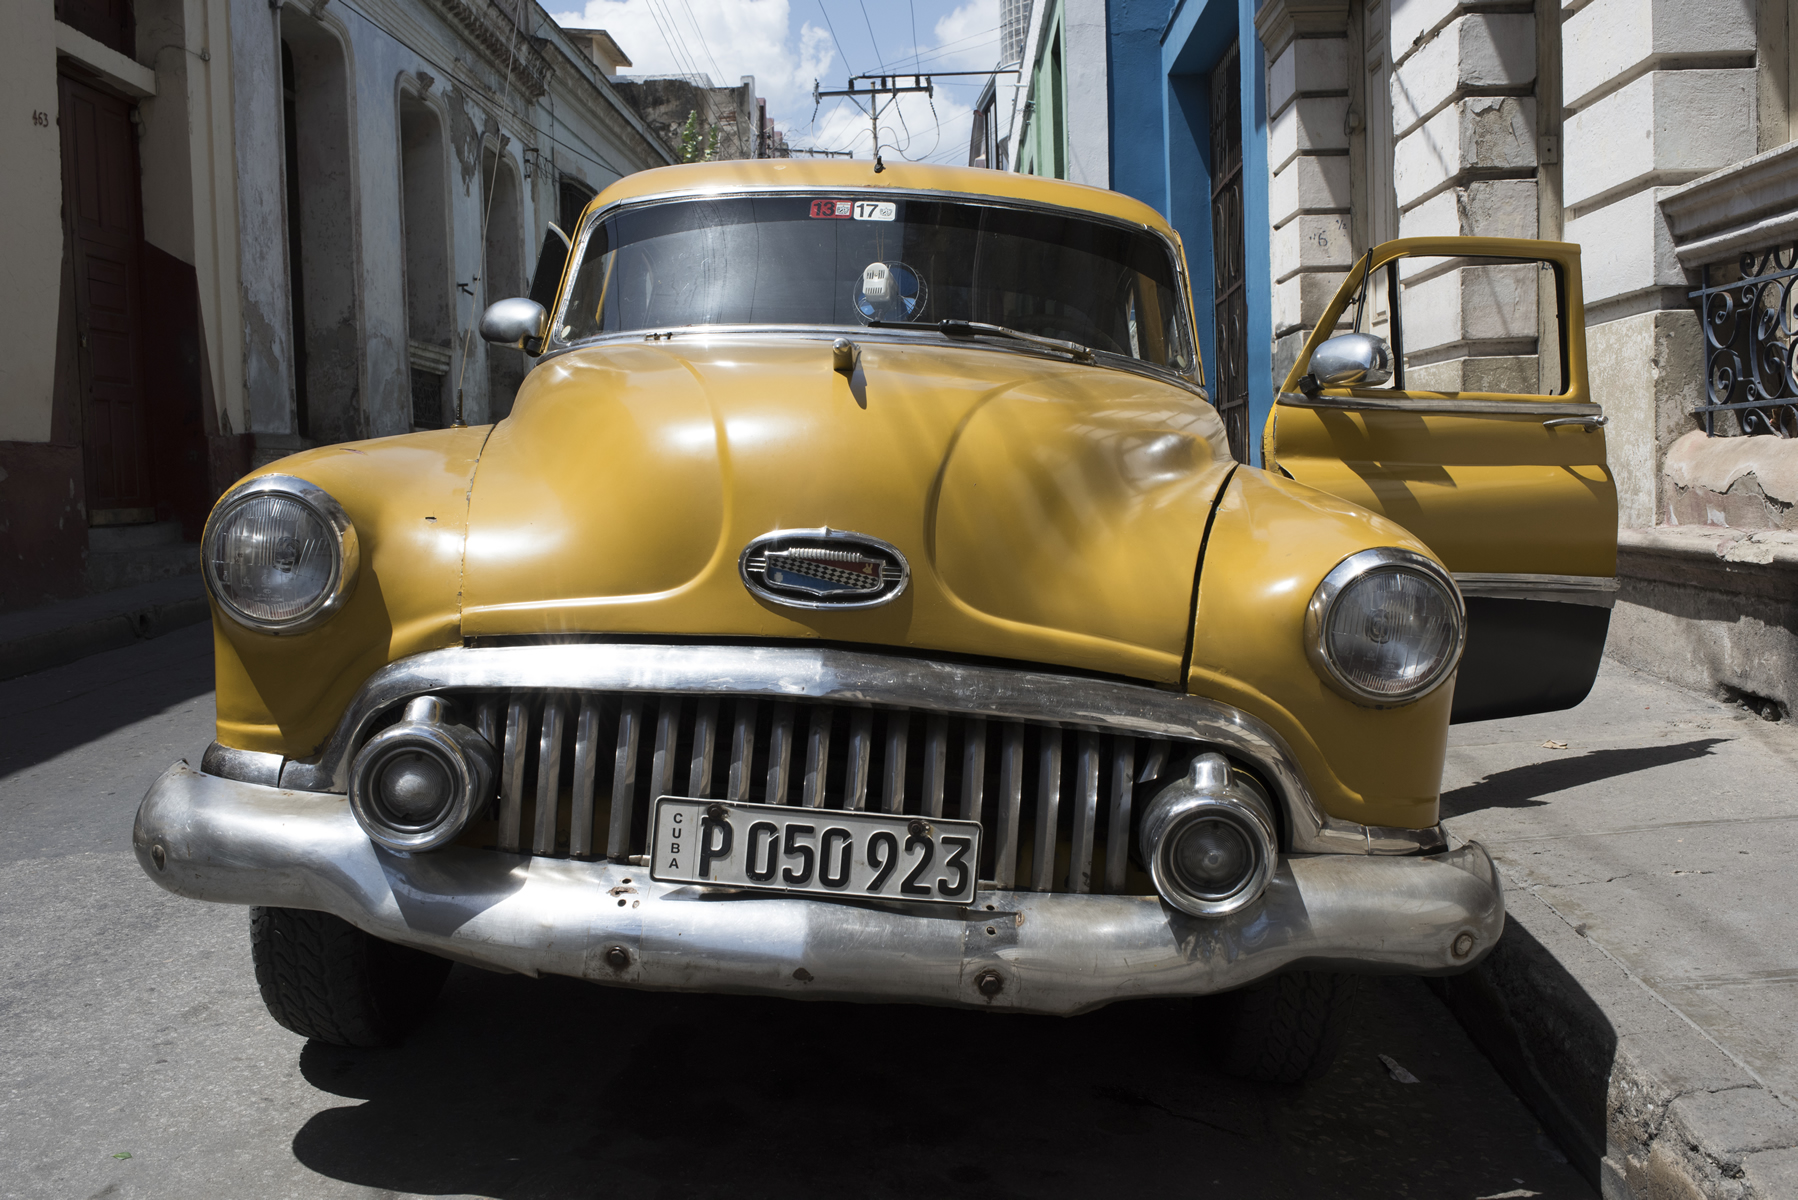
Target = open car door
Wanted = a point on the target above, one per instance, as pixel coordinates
(1476, 432)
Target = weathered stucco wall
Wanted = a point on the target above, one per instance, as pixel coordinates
(31, 207)
(1648, 372)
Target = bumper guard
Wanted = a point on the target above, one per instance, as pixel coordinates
(210, 838)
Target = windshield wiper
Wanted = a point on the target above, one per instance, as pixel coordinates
(953, 328)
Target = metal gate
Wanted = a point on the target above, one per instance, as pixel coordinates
(1229, 371)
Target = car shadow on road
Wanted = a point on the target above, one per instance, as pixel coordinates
(555, 1088)
(1523, 787)
(55, 710)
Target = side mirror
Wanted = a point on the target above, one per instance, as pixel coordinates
(1347, 360)
(518, 322)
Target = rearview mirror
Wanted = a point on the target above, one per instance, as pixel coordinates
(1349, 360)
(518, 322)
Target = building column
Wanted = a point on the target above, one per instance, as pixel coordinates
(1656, 92)
(1308, 181)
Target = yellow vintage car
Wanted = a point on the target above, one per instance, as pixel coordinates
(861, 602)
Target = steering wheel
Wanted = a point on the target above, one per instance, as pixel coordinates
(1086, 329)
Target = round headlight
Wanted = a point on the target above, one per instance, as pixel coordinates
(1386, 626)
(280, 555)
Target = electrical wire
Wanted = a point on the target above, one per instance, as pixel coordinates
(589, 152)
(872, 40)
(834, 39)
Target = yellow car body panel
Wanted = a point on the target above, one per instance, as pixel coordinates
(1049, 512)
(1270, 543)
(1487, 491)
(1052, 514)
(408, 498)
(834, 174)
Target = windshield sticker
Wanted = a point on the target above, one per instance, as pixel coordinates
(833, 208)
(875, 210)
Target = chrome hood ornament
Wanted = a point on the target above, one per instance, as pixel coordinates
(823, 568)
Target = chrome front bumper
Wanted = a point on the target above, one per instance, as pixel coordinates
(210, 838)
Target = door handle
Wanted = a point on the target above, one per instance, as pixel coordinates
(1590, 423)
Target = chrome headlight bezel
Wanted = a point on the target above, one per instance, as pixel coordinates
(346, 558)
(1323, 603)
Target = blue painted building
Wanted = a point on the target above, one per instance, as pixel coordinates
(1178, 92)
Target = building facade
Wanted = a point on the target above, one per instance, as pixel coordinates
(237, 228)
(1283, 138)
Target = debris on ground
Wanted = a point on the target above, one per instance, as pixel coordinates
(1396, 1071)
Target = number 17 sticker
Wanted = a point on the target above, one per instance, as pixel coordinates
(875, 210)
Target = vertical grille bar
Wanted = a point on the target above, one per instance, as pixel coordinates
(705, 740)
(1117, 840)
(586, 763)
(817, 756)
(624, 779)
(1086, 813)
(486, 721)
(1048, 811)
(936, 763)
(1154, 763)
(898, 732)
(1011, 802)
(661, 763)
(549, 775)
(973, 768)
(742, 751)
(855, 775)
(511, 786)
(780, 754)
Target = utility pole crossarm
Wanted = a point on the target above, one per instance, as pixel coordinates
(876, 87)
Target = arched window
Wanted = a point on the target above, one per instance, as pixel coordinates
(430, 309)
(502, 271)
(321, 240)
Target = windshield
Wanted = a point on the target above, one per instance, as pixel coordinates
(798, 259)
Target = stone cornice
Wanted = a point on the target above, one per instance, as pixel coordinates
(1746, 206)
(584, 86)
(510, 49)
(1280, 21)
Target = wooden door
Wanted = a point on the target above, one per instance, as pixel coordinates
(104, 222)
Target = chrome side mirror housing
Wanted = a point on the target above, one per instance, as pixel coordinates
(519, 322)
(1349, 360)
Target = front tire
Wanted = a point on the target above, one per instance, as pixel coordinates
(1282, 1030)
(323, 978)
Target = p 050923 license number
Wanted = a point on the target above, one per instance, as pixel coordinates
(820, 851)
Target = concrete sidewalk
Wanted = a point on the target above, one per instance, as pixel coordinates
(39, 638)
(1644, 1000)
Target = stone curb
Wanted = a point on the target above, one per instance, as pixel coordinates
(1643, 1103)
(54, 647)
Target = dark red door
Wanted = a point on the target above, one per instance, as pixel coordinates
(102, 213)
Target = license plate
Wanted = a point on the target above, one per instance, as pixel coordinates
(818, 851)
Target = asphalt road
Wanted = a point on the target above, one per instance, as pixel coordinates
(136, 1058)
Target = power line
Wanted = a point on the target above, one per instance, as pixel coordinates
(940, 50)
(872, 40)
(912, 5)
(833, 33)
(590, 153)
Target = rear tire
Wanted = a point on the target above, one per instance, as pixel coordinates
(1283, 1030)
(323, 978)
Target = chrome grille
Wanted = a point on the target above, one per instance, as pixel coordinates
(580, 771)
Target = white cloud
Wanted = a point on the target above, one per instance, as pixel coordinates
(725, 39)
(728, 39)
(969, 37)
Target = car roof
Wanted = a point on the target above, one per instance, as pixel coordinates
(825, 174)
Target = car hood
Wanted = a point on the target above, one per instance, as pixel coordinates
(1050, 512)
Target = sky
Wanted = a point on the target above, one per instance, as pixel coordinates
(787, 44)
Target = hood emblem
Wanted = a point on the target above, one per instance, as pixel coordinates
(822, 568)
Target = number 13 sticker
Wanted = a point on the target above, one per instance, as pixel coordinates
(875, 210)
